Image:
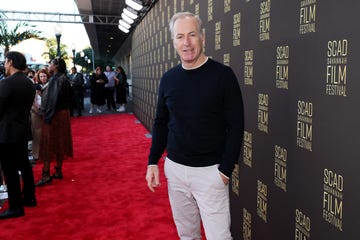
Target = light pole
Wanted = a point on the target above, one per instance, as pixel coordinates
(58, 31)
(73, 48)
(93, 59)
(88, 60)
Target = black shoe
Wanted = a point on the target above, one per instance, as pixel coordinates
(43, 181)
(32, 162)
(30, 203)
(11, 213)
(57, 175)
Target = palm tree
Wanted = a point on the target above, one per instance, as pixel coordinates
(11, 37)
(51, 45)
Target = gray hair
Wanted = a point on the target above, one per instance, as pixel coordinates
(184, 15)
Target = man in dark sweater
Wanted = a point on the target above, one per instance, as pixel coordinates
(199, 121)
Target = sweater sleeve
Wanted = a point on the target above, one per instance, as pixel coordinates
(234, 117)
(160, 128)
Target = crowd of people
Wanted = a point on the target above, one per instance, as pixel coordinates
(41, 116)
(104, 86)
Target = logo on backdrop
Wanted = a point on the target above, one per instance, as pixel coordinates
(165, 35)
(163, 53)
(333, 198)
(282, 67)
(161, 39)
(247, 148)
(166, 66)
(280, 167)
(302, 225)
(304, 125)
(218, 35)
(248, 67)
(169, 51)
(163, 22)
(263, 112)
(235, 182)
(336, 67)
(210, 12)
(264, 30)
(197, 9)
(262, 195)
(175, 6)
(168, 12)
(246, 224)
(236, 29)
(307, 16)
(227, 59)
(158, 55)
(227, 6)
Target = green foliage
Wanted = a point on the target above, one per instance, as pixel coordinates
(81, 58)
(11, 37)
(51, 45)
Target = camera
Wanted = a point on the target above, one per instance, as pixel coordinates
(38, 87)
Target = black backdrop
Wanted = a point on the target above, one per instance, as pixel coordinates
(297, 63)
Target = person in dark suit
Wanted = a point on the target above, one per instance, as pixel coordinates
(17, 94)
(77, 87)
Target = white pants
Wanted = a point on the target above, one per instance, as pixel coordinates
(198, 194)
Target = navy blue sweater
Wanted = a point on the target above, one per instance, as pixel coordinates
(199, 117)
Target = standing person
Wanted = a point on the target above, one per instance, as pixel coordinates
(77, 87)
(56, 140)
(31, 74)
(121, 85)
(97, 86)
(110, 88)
(199, 119)
(17, 94)
(2, 72)
(41, 79)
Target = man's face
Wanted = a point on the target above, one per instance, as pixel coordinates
(188, 41)
(52, 67)
(7, 65)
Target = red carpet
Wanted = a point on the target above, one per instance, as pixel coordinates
(103, 194)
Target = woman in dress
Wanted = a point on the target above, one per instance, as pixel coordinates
(97, 87)
(56, 139)
(41, 79)
(121, 85)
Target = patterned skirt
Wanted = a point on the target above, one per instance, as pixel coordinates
(56, 138)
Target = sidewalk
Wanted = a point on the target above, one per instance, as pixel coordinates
(104, 110)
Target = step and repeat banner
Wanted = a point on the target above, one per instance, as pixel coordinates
(298, 65)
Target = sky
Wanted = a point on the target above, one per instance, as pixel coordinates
(71, 33)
